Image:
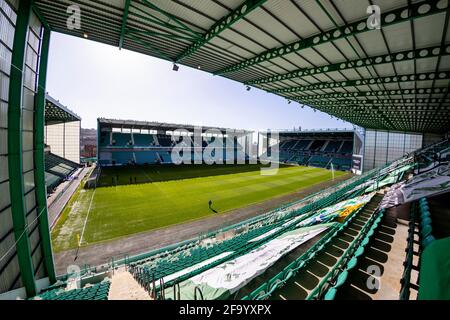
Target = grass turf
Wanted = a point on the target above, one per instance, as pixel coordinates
(167, 195)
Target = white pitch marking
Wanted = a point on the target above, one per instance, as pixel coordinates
(87, 216)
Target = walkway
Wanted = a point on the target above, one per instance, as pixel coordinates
(125, 287)
(58, 200)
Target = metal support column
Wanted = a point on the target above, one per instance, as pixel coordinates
(16, 187)
(39, 173)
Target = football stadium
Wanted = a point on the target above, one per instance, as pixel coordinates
(181, 211)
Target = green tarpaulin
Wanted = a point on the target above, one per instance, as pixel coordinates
(434, 283)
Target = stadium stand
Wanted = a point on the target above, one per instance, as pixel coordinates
(319, 161)
(143, 140)
(98, 291)
(333, 146)
(317, 145)
(324, 149)
(57, 169)
(121, 139)
(325, 270)
(341, 163)
(346, 147)
(121, 142)
(164, 140)
(148, 273)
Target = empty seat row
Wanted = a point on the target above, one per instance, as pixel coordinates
(359, 249)
(97, 291)
(269, 287)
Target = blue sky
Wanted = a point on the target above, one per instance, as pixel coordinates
(96, 80)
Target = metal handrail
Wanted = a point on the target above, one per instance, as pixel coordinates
(197, 288)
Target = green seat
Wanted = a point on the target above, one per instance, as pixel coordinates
(352, 263)
(288, 274)
(425, 214)
(427, 241)
(426, 221)
(331, 294)
(300, 264)
(426, 231)
(365, 241)
(359, 252)
(341, 279)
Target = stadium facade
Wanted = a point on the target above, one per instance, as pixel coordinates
(62, 130)
(391, 78)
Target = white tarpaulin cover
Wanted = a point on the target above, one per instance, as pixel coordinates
(390, 179)
(427, 184)
(226, 278)
(341, 209)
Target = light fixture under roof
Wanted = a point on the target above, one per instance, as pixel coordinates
(85, 35)
(175, 67)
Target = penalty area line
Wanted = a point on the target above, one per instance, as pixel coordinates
(87, 216)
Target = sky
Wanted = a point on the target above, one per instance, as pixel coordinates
(96, 80)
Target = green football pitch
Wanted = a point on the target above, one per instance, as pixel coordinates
(137, 199)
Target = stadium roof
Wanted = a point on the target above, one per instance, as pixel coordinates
(56, 113)
(134, 124)
(319, 53)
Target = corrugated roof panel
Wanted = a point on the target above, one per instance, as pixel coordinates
(268, 28)
(264, 18)
(290, 12)
(247, 47)
(429, 30)
(326, 51)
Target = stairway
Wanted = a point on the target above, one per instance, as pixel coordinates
(306, 281)
(125, 287)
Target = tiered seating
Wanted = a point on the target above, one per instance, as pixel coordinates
(319, 161)
(341, 163)
(124, 157)
(145, 157)
(59, 166)
(341, 243)
(97, 291)
(104, 139)
(347, 147)
(284, 156)
(165, 157)
(164, 140)
(120, 139)
(57, 169)
(317, 145)
(405, 281)
(333, 146)
(149, 270)
(426, 237)
(51, 180)
(143, 140)
(303, 160)
(420, 212)
(154, 268)
(302, 144)
(289, 144)
(351, 263)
